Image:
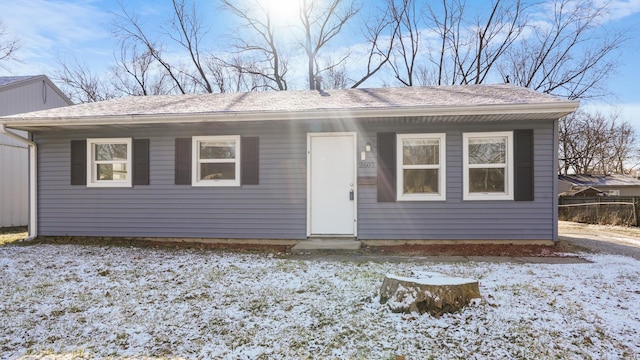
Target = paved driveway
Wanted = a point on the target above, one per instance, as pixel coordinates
(615, 240)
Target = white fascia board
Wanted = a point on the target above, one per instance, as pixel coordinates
(565, 107)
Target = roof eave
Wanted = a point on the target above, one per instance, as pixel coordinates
(545, 110)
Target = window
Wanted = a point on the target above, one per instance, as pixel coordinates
(488, 166)
(216, 161)
(109, 162)
(421, 167)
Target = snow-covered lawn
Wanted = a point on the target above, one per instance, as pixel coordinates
(69, 301)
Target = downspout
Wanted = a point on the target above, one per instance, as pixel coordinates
(556, 147)
(33, 176)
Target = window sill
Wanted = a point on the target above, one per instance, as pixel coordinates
(216, 184)
(487, 197)
(438, 197)
(109, 185)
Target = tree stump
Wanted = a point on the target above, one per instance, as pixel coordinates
(432, 293)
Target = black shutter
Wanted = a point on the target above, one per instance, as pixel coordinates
(386, 148)
(78, 162)
(140, 162)
(183, 161)
(250, 161)
(523, 149)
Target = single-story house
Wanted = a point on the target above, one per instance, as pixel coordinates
(452, 163)
(615, 185)
(20, 94)
(583, 191)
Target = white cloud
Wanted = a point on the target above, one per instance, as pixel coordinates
(63, 23)
(47, 28)
(619, 9)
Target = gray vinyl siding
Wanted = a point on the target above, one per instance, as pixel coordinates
(276, 208)
(455, 218)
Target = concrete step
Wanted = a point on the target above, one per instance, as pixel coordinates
(326, 246)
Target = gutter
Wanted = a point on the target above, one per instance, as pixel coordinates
(33, 176)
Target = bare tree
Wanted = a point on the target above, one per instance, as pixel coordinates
(144, 66)
(185, 30)
(593, 143)
(496, 34)
(320, 24)
(616, 147)
(334, 75)
(234, 74)
(464, 50)
(408, 40)
(570, 55)
(444, 21)
(134, 73)
(222, 80)
(268, 53)
(567, 150)
(9, 45)
(81, 85)
(469, 49)
(380, 35)
(129, 28)
(265, 52)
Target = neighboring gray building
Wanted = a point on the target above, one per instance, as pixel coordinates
(20, 94)
(620, 185)
(454, 163)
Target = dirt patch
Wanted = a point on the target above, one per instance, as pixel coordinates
(561, 249)
(95, 241)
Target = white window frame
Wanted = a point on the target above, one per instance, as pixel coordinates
(509, 171)
(441, 167)
(196, 161)
(92, 173)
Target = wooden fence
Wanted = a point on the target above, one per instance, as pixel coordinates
(609, 210)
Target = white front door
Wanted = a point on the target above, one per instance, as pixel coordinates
(331, 164)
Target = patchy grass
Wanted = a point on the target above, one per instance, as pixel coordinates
(10, 235)
(145, 243)
(74, 301)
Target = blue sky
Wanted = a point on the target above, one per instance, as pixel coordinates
(81, 30)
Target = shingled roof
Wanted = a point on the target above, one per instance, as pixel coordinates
(8, 80)
(600, 180)
(432, 102)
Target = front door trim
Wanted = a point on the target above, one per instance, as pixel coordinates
(354, 136)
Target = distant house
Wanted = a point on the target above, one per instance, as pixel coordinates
(20, 94)
(449, 163)
(620, 185)
(583, 191)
